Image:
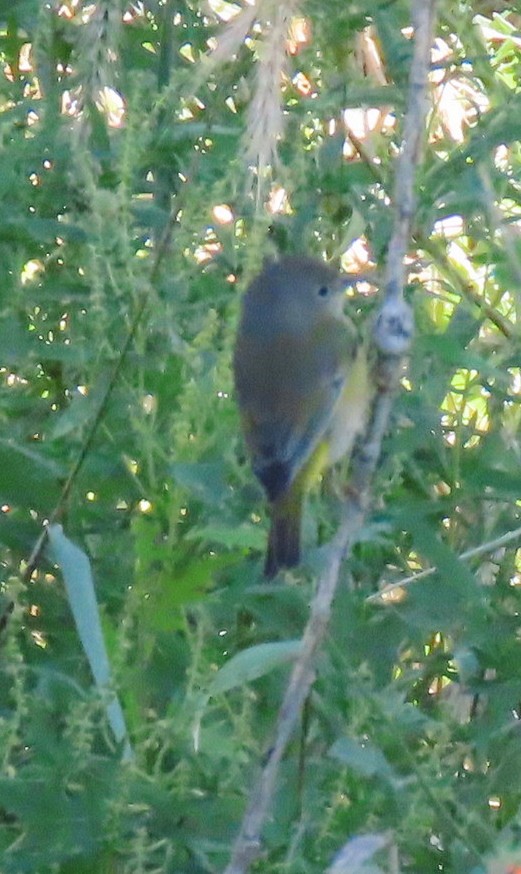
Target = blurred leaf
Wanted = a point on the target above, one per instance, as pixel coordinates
(40, 230)
(79, 584)
(27, 477)
(242, 536)
(79, 412)
(354, 856)
(204, 480)
(252, 663)
(15, 342)
(363, 757)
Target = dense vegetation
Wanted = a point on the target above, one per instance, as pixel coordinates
(143, 180)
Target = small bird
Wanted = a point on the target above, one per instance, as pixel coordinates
(303, 387)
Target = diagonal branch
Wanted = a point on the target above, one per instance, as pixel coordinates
(490, 546)
(392, 335)
(85, 447)
(437, 250)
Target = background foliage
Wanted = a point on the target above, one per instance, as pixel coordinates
(128, 212)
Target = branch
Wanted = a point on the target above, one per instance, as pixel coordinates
(392, 335)
(437, 250)
(497, 223)
(483, 548)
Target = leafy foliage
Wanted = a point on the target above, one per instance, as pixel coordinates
(118, 145)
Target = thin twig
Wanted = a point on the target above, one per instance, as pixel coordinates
(392, 336)
(437, 250)
(374, 168)
(39, 546)
(163, 182)
(509, 235)
(491, 546)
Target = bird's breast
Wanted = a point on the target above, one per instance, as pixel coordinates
(351, 409)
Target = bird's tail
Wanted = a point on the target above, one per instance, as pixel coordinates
(283, 549)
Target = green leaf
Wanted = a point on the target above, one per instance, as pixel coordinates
(80, 411)
(204, 480)
(40, 230)
(27, 477)
(242, 536)
(363, 757)
(356, 855)
(79, 584)
(15, 341)
(252, 663)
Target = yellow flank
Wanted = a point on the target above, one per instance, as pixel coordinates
(317, 464)
(349, 418)
(351, 410)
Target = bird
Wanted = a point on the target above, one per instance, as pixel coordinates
(303, 386)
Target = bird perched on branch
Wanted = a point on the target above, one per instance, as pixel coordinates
(303, 387)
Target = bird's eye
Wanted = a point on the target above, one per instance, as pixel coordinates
(323, 291)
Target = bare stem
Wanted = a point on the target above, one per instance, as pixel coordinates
(489, 546)
(392, 337)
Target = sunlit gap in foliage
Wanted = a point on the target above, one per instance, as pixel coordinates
(466, 405)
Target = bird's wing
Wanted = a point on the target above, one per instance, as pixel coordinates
(288, 413)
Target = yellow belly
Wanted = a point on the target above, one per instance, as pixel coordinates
(351, 410)
(350, 417)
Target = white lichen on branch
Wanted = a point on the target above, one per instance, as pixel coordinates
(394, 321)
